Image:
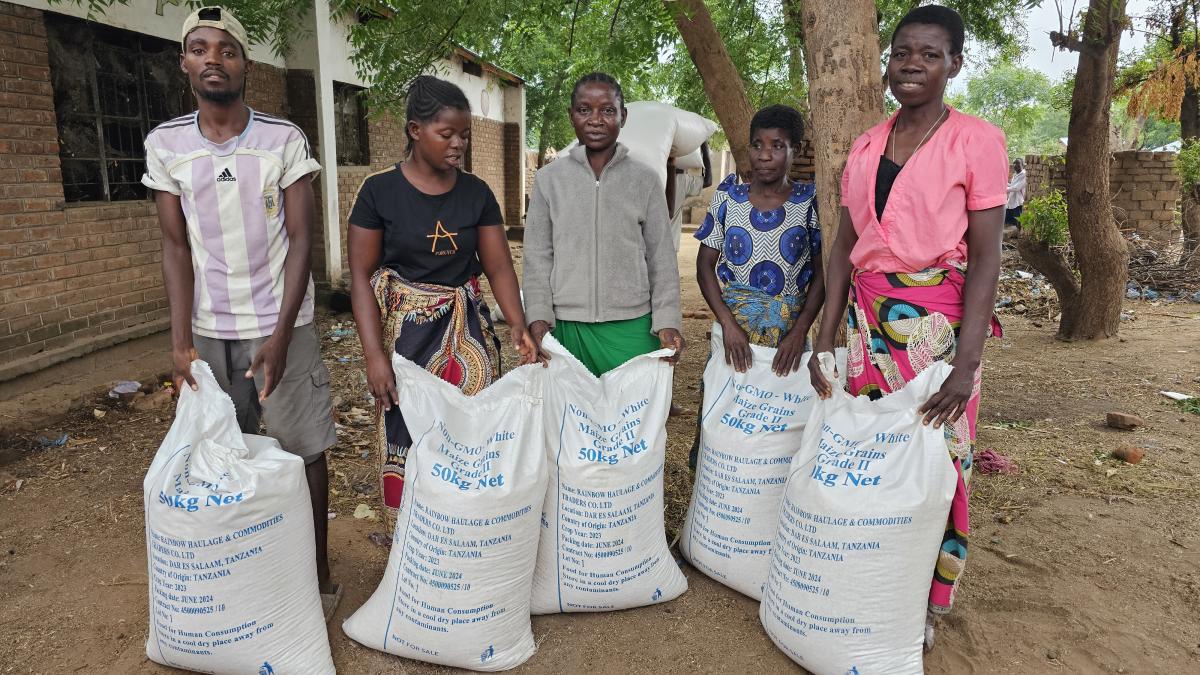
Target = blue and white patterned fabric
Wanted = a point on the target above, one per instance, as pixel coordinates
(768, 250)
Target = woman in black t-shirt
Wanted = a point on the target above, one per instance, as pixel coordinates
(420, 233)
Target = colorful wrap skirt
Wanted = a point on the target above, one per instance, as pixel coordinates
(446, 330)
(900, 324)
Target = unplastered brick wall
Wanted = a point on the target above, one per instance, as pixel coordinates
(487, 156)
(802, 160)
(385, 134)
(513, 195)
(300, 91)
(73, 277)
(1144, 187)
(266, 89)
(387, 139)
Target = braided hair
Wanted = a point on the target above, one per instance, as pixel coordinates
(428, 96)
(782, 117)
(598, 77)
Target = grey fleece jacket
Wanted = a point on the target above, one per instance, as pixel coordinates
(600, 250)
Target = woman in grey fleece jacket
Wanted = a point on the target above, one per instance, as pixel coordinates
(601, 271)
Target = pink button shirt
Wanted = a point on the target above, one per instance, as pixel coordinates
(962, 167)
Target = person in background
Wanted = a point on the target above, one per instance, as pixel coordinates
(917, 256)
(420, 234)
(601, 271)
(682, 185)
(1016, 194)
(233, 190)
(759, 264)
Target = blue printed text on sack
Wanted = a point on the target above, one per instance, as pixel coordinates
(196, 503)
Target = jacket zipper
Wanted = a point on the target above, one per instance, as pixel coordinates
(596, 251)
(596, 240)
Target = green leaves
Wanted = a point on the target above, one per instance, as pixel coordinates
(1187, 164)
(268, 22)
(1045, 219)
(1017, 100)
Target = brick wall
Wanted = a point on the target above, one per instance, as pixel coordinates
(387, 139)
(349, 180)
(72, 278)
(1144, 186)
(300, 92)
(78, 277)
(487, 156)
(513, 195)
(802, 161)
(266, 89)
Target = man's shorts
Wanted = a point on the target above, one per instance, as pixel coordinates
(299, 412)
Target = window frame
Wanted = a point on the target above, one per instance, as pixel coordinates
(341, 89)
(102, 39)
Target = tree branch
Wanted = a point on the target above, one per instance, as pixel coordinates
(571, 36)
(1067, 42)
(612, 26)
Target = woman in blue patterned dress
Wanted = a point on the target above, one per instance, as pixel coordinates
(759, 265)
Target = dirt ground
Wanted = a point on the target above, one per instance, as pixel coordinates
(1079, 563)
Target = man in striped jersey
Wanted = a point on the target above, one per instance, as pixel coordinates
(233, 188)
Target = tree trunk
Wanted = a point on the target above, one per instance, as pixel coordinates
(841, 47)
(1190, 203)
(1189, 113)
(1058, 272)
(1099, 248)
(1189, 127)
(722, 82)
(794, 33)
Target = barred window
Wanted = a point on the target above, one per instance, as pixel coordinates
(111, 87)
(350, 125)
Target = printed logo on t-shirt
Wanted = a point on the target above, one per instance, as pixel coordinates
(439, 233)
(226, 176)
(271, 203)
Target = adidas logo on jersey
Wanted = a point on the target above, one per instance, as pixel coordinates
(226, 175)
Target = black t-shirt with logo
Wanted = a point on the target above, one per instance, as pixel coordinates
(431, 239)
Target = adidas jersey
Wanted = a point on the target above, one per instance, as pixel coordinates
(232, 198)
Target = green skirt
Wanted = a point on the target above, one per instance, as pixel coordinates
(603, 346)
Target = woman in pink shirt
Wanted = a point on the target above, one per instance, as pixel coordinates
(923, 198)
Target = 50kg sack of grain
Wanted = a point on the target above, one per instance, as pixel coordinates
(751, 428)
(863, 516)
(603, 546)
(229, 540)
(656, 131)
(456, 587)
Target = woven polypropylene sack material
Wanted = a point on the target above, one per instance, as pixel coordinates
(750, 428)
(861, 523)
(230, 547)
(456, 587)
(603, 544)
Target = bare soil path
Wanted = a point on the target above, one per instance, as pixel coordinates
(1079, 563)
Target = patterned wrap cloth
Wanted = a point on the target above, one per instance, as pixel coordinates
(446, 330)
(766, 318)
(899, 325)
